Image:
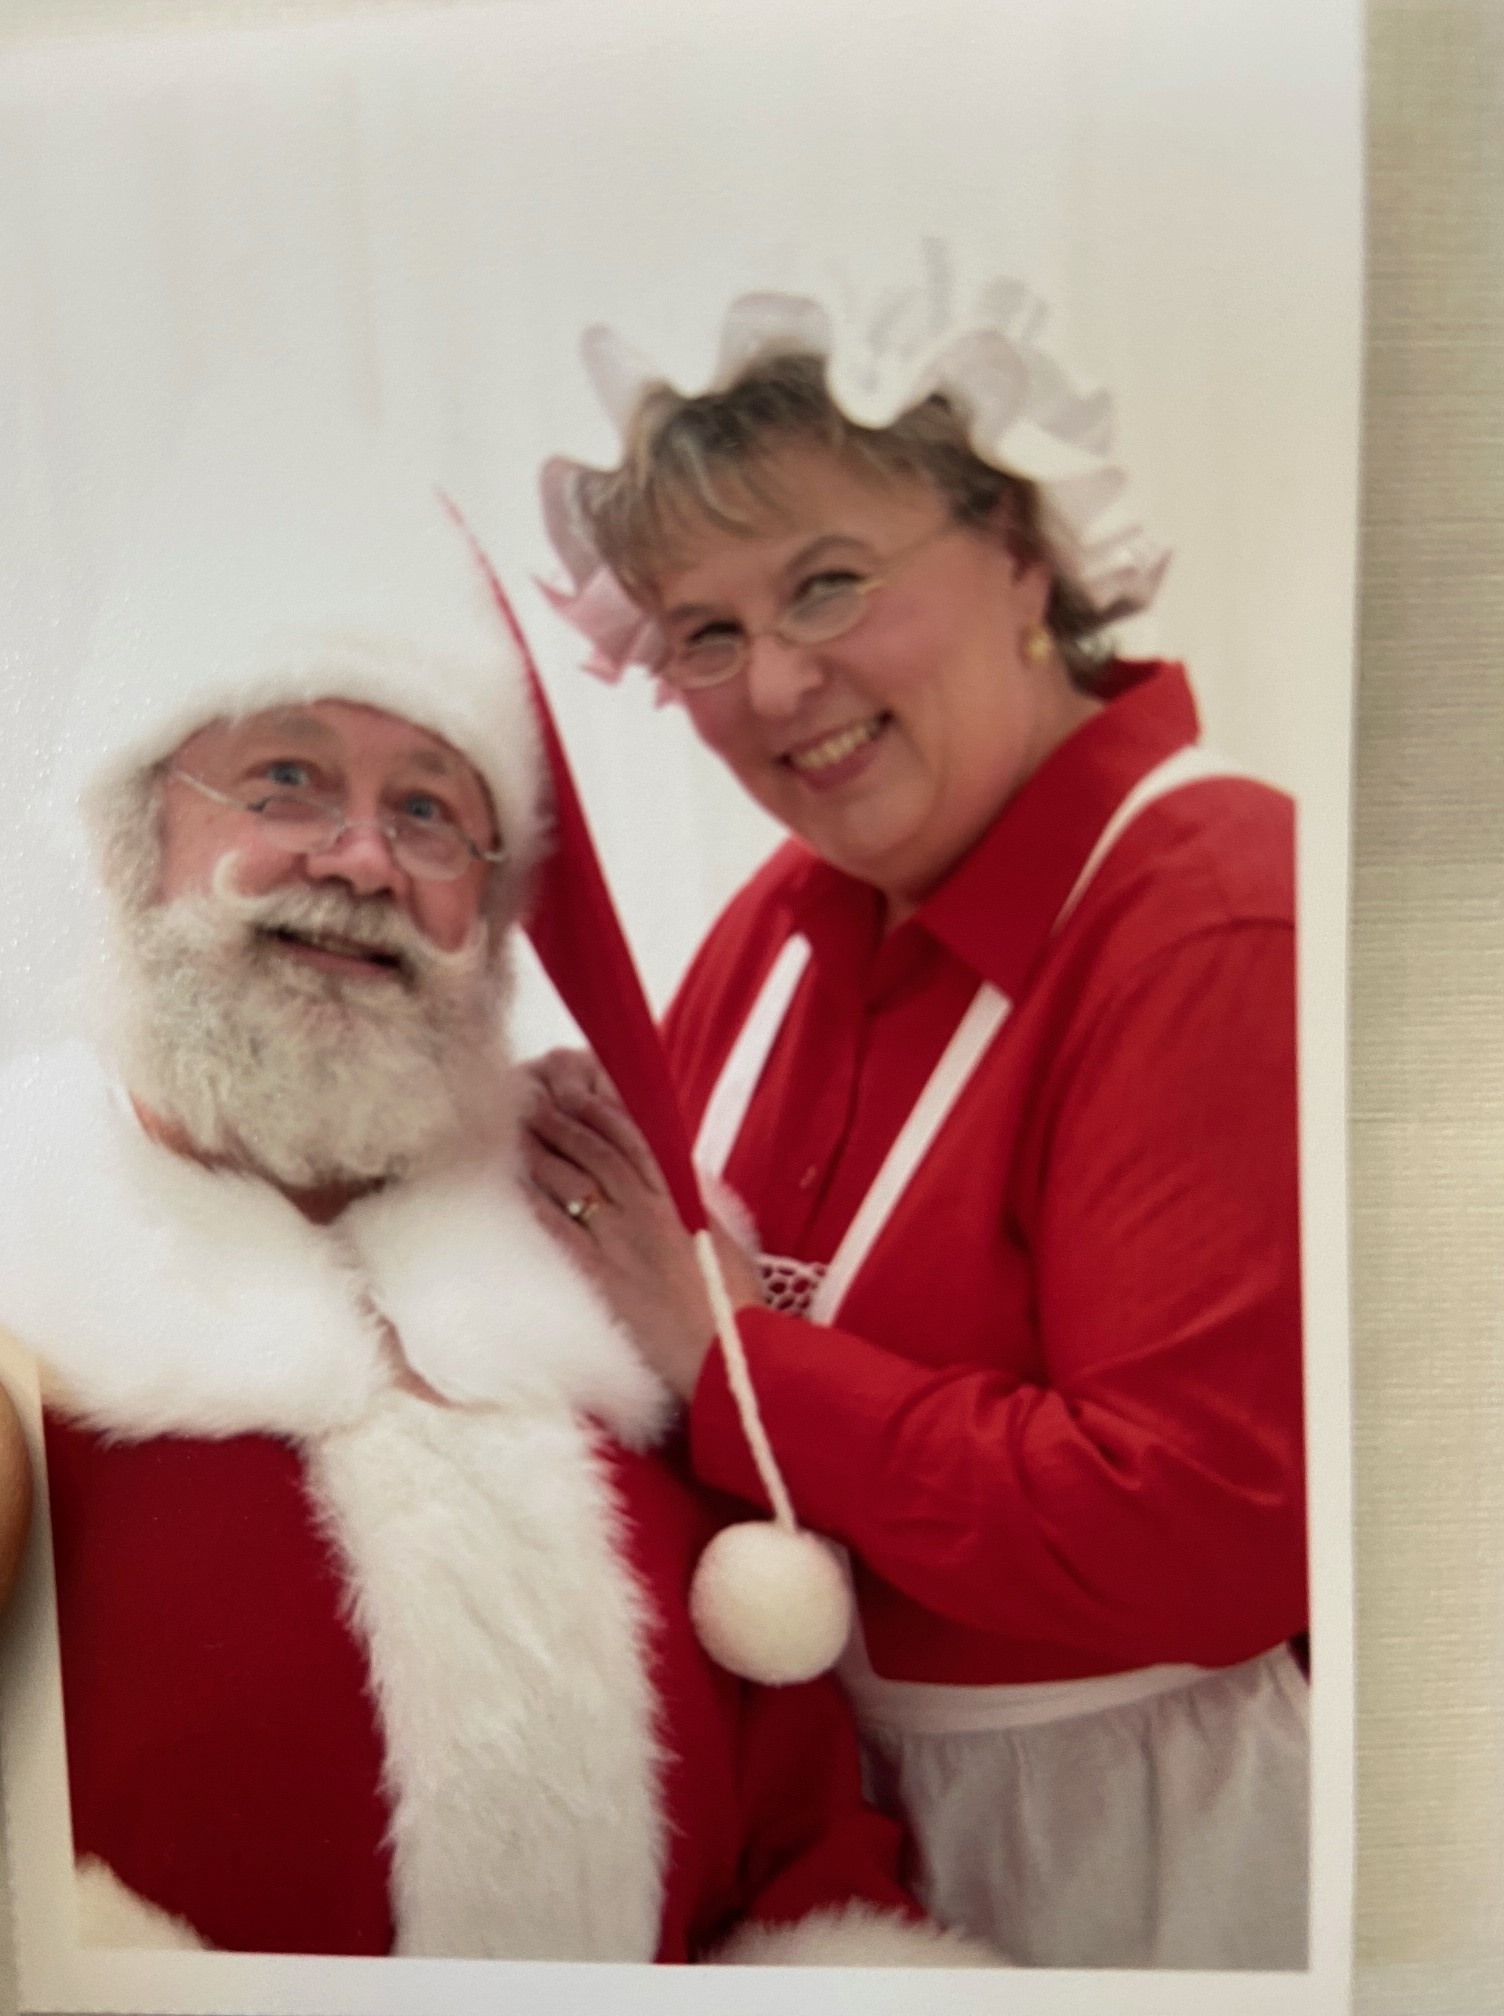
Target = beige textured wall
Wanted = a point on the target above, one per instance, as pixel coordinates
(1427, 1043)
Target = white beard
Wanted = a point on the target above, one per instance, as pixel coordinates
(307, 1076)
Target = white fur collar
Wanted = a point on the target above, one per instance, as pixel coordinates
(162, 1297)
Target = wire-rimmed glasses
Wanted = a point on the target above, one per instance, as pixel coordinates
(825, 607)
(430, 850)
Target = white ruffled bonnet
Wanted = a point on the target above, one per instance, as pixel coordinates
(883, 357)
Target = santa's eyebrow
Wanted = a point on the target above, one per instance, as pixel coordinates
(287, 728)
(304, 728)
(442, 764)
(438, 763)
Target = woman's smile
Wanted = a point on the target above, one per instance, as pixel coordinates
(837, 758)
(890, 747)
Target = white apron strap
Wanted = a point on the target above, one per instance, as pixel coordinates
(728, 1103)
(986, 1014)
(984, 1018)
(1187, 766)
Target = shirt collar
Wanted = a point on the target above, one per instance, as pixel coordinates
(998, 905)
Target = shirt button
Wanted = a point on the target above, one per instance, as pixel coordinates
(810, 1177)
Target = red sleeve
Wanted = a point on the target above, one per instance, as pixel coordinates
(1147, 1502)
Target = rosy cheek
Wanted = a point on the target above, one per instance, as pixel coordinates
(257, 866)
(190, 869)
(447, 912)
(718, 718)
(258, 861)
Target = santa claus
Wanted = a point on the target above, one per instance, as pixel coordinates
(372, 1554)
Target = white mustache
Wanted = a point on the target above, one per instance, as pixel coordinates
(373, 923)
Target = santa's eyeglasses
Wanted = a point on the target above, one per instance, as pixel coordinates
(429, 847)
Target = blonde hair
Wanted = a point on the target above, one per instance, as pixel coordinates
(693, 462)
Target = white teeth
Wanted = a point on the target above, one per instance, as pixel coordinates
(346, 948)
(836, 748)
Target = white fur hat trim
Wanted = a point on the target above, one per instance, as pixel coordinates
(255, 578)
(884, 357)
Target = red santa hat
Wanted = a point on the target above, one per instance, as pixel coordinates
(770, 1601)
(246, 587)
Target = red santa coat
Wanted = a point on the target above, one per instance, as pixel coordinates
(1058, 1416)
(349, 1672)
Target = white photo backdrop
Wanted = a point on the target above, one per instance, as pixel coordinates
(418, 218)
(417, 215)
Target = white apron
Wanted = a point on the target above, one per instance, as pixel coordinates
(1156, 1818)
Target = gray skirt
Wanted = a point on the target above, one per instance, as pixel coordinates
(1144, 1820)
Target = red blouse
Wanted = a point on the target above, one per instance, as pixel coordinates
(1059, 1421)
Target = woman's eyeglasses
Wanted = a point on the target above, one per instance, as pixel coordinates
(430, 849)
(824, 608)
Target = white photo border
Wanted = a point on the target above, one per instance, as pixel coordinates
(54, 1974)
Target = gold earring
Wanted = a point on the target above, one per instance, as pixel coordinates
(1039, 645)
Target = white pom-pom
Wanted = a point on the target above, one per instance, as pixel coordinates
(771, 1604)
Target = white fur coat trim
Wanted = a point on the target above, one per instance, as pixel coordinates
(160, 1296)
(110, 1914)
(509, 1654)
(857, 1936)
(508, 1642)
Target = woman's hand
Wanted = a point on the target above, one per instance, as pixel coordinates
(584, 1151)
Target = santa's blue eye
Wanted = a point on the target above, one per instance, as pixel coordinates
(426, 809)
(288, 774)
